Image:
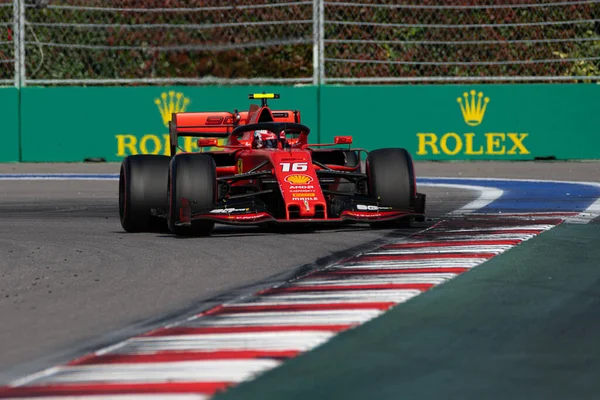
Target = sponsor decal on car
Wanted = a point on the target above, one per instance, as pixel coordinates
(473, 107)
(243, 217)
(303, 195)
(301, 190)
(298, 179)
(240, 166)
(305, 198)
(228, 210)
(363, 207)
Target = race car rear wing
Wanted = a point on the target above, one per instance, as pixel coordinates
(217, 124)
(207, 124)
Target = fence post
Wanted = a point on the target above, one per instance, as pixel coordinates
(21, 42)
(321, 42)
(15, 37)
(316, 42)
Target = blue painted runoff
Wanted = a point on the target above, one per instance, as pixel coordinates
(530, 196)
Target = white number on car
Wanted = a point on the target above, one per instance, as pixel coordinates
(294, 167)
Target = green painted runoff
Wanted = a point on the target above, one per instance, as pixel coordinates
(521, 326)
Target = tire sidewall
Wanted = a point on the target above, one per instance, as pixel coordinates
(390, 176)
(142, 182)
(193, 177)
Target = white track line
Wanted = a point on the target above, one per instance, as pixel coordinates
(400, 264)
(163, 372)
(341, 296)
(300, 341)
(341, 280)
(502, 228)
(484, 236)
(329, 317)
(495, 249)
(487, 195)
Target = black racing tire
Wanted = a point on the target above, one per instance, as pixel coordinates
(191, 176)
(390, 178)
(142, 188)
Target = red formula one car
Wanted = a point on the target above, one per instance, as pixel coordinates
(265, 173)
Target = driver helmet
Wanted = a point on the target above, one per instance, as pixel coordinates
(264, 139)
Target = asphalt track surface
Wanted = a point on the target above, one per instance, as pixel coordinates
(72, 280)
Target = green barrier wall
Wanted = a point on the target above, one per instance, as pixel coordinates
(70, 124)
(493, 122)
(9, 101)
(518, 122)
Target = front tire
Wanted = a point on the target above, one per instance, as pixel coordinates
(391, 180)
(142, 188)
(192, 177)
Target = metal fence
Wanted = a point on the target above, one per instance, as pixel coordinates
(91, 42)
(8, 46)
(476, 40)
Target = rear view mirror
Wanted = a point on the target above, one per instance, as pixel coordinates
(342, 139)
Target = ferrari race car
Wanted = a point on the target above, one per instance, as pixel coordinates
(264, 172)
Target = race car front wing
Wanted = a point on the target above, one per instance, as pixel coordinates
(252, 211)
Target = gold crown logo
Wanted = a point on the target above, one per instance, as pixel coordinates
(473, 111)
(298, 179)
(171, 103)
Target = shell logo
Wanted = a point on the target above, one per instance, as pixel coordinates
(298, 179)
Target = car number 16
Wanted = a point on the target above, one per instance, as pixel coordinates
(294, 167)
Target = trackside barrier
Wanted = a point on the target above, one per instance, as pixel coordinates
(434, 122)
(472, 122)
(72, 124)
(9, 103)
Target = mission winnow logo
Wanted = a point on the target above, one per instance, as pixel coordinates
(473, 107)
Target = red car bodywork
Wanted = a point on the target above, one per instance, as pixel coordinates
(288, 172)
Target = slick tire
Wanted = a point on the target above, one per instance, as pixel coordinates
(390, 177)
(142, 188)
(193, 177)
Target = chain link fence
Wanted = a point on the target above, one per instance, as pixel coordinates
(442, 40)
(48, 42)
(168, 41)
(7, 43)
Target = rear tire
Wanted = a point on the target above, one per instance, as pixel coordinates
(193, 177)
(142, 188)
(390, 177)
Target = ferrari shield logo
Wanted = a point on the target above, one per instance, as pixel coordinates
(240, 166)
